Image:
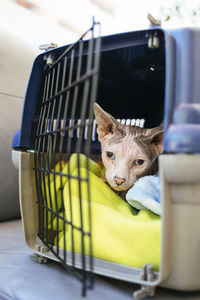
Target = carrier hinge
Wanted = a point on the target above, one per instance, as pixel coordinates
(146, 290)
(49, 59)
(39, 258)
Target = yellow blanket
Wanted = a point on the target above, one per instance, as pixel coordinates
(118, 234)
(52, 188)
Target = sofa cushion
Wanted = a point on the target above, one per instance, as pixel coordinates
(22, 279)
(16, 57)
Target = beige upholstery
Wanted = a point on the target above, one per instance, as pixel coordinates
(16, 57)
(23, 279)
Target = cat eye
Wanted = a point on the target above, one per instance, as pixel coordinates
(110, 155)
(138, 162)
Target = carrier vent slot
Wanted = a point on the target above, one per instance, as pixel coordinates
(74, 126)
(94, 130)
(136, 122)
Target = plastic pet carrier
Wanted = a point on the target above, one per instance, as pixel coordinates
(142, 78)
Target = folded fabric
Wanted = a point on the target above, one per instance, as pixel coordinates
(54, 183)
(118, 234)
(51, 192)
(145, 194)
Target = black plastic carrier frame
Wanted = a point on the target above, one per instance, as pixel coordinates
(58, 118)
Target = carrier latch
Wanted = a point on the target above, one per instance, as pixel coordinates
(153, 41)
(148, 275)
(48, 46)
(153, 21)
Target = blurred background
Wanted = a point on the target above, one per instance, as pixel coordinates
(63, 21)
(25, 24)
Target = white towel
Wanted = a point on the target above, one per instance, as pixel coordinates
(145, 194)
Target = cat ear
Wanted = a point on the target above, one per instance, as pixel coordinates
(155, 138)
(107, 124)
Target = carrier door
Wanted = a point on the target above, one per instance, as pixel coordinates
(65, 126)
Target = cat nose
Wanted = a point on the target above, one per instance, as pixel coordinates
(119, 181)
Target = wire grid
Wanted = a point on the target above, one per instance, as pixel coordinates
(66, 106)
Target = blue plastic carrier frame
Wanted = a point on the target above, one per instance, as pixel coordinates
(181, 93)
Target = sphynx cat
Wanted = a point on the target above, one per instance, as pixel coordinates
(128, 152)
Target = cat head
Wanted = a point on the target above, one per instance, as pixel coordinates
(128, 152)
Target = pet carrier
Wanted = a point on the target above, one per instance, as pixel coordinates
(144, 78)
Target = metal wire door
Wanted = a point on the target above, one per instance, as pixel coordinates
(65, 126)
